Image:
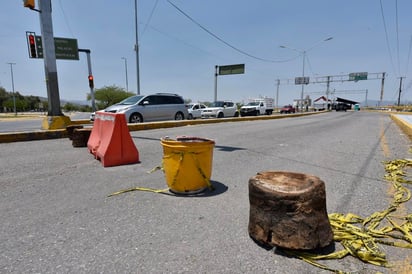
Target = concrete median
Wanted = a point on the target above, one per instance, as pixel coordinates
(62, 133)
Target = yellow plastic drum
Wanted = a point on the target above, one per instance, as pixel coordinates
(187, 163)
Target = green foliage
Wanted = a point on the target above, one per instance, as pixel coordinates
(74, 107)
(109, 95)
(8, 101)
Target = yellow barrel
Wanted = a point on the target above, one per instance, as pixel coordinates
(187, 163)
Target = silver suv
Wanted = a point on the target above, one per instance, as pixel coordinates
(154, 107)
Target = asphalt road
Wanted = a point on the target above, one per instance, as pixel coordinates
(32, 122)
(57, 218)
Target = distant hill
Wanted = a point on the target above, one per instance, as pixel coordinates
(375, 103)
(75, 102)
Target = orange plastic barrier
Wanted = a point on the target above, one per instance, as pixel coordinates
(110, 140)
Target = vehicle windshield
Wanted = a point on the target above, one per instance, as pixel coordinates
(131, 100)
(217, 104)
(253, 104)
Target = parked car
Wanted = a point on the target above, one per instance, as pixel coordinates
(195, 110)
(288, 109)
(220, 109)
(154, 107)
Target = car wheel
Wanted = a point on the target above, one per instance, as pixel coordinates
(236, 114)
(179, 116)
(257, 112)
(136, 118)
(190, 116)
(220, 115)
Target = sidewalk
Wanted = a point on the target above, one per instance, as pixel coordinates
(404, 121)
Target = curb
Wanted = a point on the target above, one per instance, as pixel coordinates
(404, 125)
(32, 136)
(62, 133)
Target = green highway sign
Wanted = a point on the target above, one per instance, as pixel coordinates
(301, 80)
(356, 76)
(66, 48)
(232, 69)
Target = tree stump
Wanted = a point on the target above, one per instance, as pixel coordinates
(70, 129)
(288, 210)
(81, 137)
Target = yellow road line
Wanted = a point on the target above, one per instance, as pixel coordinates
(383, 142)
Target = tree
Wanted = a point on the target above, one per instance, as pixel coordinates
(109, 95)
(3, 97)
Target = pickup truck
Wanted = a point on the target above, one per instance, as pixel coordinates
(257, 107)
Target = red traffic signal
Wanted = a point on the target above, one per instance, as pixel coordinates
(91, 83)
(32, 46)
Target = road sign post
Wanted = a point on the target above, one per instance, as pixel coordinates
(227, 70)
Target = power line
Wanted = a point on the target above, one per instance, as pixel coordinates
(226, 43)
(65, 18)
(409, 55)
(150, 17)
(397, 36)
(386, 36)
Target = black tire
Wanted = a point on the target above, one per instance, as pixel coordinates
(220, 115)
(190, 116)
(257, 112)
(135, 118)
(236, 114)
(179, 116)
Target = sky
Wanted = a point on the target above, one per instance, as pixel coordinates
(181, 42)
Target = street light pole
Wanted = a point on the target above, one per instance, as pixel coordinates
(304, 52)
(125, 66)
(12, 86)
(303, 84)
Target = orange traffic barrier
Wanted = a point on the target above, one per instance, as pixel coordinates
(110, 140)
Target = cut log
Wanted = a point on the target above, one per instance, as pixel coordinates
(288, 210)
(70, 129)
(80, 137)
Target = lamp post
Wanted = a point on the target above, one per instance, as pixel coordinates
(304, 52)
(125, 67)
(12, 86)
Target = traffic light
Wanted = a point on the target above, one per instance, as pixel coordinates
(91, 83)
(29, 4)
(32, 46)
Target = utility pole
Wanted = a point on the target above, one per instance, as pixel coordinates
(125, 67)
(382, 85)
(49, 54)
(400, 90)
(137, 49)
(12, 86)
(277, 94)
(327, 93)
(55, 118)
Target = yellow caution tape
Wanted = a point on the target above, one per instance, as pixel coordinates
(139, 189)
(361, 237)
